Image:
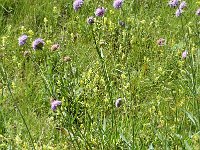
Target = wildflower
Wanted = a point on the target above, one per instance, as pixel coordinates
(182, 5)
(22, 40)
(100, 12)
(55, 104)
(26, 53)
(198, 12)
(90, 20)
(55, 47)
(173, 3)
(118, 102)
(66, 59)
(178, 12)
(184, 54)
(38, 44)
(30, 32)
(77, 4)
(161, 42)
(45, 20)
(117, 4)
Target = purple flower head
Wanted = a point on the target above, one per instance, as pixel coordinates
(198, 12)
(77, 4)
(178, 12)
(182, 5)
(38, 44)
(117, 4)
(118, 102)
(173, 3)
(184, 54)
(90, 20)
(22, 40)
(55, 104)
(100, 12)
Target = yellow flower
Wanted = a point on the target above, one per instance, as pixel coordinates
(23, 29)
(45, 20)
(49, 42)
(111, 12)
(123, 76)
(105, 20)
(142, 21)
(30, 32)
(55, 9)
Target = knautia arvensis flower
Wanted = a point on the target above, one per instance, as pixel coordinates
(182, 5)
(178, 12)
(90, 20)
(184, 54)
(118, 102)
(38, 44)
(117, 4)
(100, 12)
(22, 40)
(173, 3)
(77, 4)
(55, 104)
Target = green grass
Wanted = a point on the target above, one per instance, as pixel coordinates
(159, 89)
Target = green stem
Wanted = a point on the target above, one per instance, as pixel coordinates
(4, 74)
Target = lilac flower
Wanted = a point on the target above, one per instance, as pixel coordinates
(100, 12)
(55, 104)
(182, 5)
(117, 4)
(22, 40)
(90, 20)
(184, 54)
(118, 102)
(38, 44)
(173, 3)
(198, 12)
(77, 4)
(178, 12)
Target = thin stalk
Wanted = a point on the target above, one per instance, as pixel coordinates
(106, 78)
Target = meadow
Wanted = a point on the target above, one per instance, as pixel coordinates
(100, 74)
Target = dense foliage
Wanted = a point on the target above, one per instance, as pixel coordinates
(99, 75)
